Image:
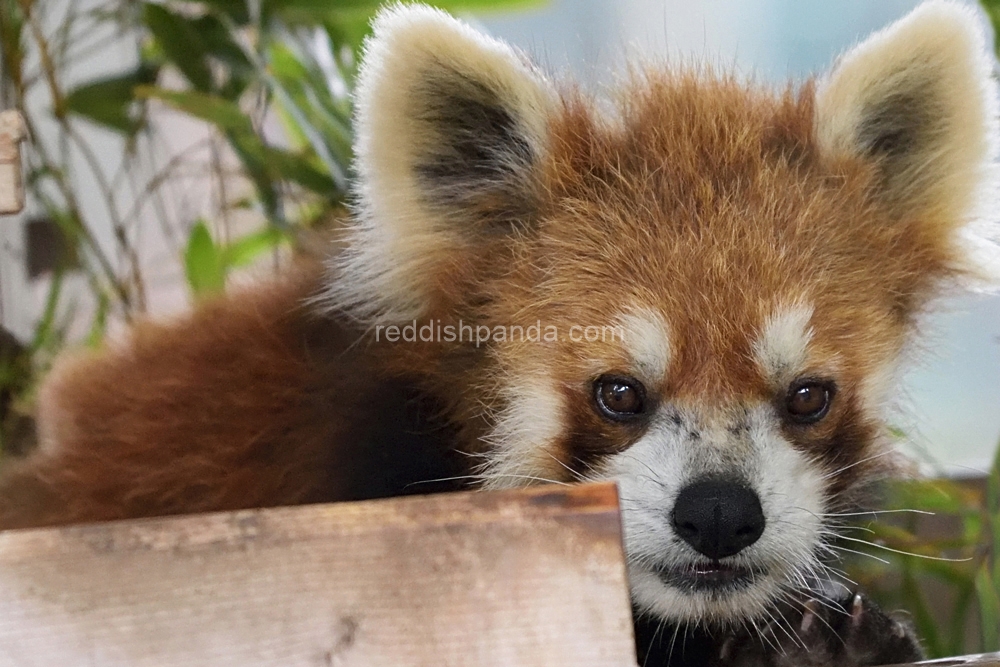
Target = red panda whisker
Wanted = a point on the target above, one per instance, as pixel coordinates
(645, 465)
(764, 635)
(673, 639)
(825, 602)
(905, 553)
(856, 463)
(874, 512)
(859, 553)
(445, 479)
(576, 475)
(532, 478)
(821, 570)
(774, 622)
(832, 529)
(485, 477)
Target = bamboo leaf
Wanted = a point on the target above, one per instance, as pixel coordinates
(245, 250)
(989, 609)
(111, 101)
(216, 110)
(180, 42)
(993, 511)
(223, 49)
(922, 617)
(202, 262)
(311, 11)
(99, 325)
(277, 164)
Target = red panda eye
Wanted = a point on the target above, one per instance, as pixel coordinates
(619, 398)
(808, 401)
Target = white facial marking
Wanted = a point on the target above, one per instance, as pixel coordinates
(521, 440)
(781, 348)
(651, 474)
(647, 342)
(876, 386)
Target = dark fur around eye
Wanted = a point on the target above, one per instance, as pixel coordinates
(808, 400)
(619, 398)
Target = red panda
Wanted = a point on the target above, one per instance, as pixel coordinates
(701, 291)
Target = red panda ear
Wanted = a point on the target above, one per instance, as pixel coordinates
(918, 97)
(450, 127)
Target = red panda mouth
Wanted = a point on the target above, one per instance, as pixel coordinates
(710, 575)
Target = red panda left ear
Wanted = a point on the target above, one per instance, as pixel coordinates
(919, 99)
(450, 128)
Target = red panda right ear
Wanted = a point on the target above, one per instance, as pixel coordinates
(918, 98)
(451, 125)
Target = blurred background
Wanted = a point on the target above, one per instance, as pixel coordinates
(183, 144)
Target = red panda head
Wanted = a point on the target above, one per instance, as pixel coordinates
(700, 291)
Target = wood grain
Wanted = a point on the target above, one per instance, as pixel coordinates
(532, 577)
(982, 660)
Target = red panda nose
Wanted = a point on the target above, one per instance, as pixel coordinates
(718, 518)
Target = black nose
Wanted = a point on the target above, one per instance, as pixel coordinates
(718, 518)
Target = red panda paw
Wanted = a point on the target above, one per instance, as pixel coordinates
(852, 632)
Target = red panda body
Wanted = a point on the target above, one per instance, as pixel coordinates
(271, 396)
(702, 295)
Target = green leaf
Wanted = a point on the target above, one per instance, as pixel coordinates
(993, 486)
(933, 495)
(181, 43)
(12, 47)
(220, 46)
(311, 11)
(100, 323)
(993, 514)
(314, 11)
(922, 618)
(347, 28)
(298, 169)
(989, 609)
(212, 108)
(250, 247)
(111, 101)
(276, 164)
(310, 112)
(246, 147)
(46, 335)
(203, 263)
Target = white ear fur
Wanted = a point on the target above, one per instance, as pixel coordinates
(443, 114)
(919, 97)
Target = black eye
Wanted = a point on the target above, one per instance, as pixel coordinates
(619, 398)
(809, 400)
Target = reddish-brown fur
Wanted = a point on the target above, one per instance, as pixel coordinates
(251, 401)
(709, 200)
(753, 243)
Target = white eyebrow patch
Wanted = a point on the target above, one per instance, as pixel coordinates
(644, 334)
(781, 348)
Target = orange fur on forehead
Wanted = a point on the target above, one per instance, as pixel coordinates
(709, 200)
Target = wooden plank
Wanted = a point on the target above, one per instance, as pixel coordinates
(981, 660)
(12, 132)
(533, 577)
